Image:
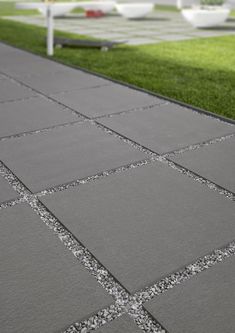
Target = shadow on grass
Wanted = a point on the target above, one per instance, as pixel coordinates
(149, 19)
(231, 19)
(221, 28)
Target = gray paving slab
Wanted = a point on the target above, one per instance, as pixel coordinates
(167, 23)
(140, 41)
(10, 55)
(167, 127)
(174, 37)
(214, 162)
(43, 287)
(206, 303)
(146, 223)
(32, 114)
(13, 91)
(70, 79)
(106, 100)
(5, 49)
(120, 325)
(65, 154)
(31, 65)
(6, 192)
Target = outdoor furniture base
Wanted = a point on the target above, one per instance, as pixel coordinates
(102, 45)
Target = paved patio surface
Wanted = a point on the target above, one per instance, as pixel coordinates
(157, 27)
(116, 207)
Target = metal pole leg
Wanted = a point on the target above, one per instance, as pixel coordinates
(50, 31)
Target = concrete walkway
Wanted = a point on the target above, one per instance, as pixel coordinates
(156, 28)
(109, 198)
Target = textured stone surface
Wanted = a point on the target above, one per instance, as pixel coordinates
(11, 91)
(61, 81)
(65, 154)
(32, 114)
(215, 162)
(106, 100)
(167, 127)
(206, 303)
(142, 223)
(6, 192)
(43, 287)
(156, 27)
(120, 325)
(20, 64)
(147, 222)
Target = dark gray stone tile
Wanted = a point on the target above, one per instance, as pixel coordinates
(32, 114)
(106, 100)
(147, 222)
(215, 162)
(6, 191)
(70, 79)
(5, 49)
(167, 127)
(206, 303)
(18, 63)
(15, 57)
(65, 154)
(28, 65)
(120, 325)
(11, 91)
(43, 287)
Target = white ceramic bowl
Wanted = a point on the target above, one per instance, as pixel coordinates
(206, 18)
(62, 8)
(58, 9)
(134, 10)
(104, 6)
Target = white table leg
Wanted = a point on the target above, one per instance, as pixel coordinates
(50, 31)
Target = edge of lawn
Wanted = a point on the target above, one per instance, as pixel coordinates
(123, 83)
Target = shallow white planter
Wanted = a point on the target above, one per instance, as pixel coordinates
(206, 17)
(134, 10)
(58, 9)
(105, 6)
(62, 8)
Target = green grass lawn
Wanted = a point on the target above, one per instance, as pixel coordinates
(200, 72)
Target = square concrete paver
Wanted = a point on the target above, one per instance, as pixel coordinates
(204, 304)
(214, 162)
(31, 65)
(147, 222)
(65, 154)
(123, 324)
(11, 56)
(32, 114)
(167, 127)
(6, 191)
(12, 91)
(43, 287)
(63, 81)
(111, 26)
(106, 100)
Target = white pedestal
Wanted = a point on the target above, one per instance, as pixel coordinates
(50, 31)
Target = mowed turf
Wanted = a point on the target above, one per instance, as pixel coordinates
(200, 72)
